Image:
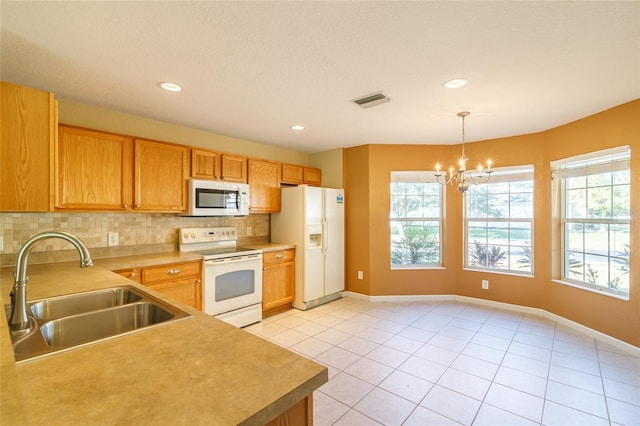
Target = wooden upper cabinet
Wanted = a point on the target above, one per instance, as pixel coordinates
(218, 166)
(94, 170)
(312, 176)
(298, 175)
(292, 173)
(264, 186)
(27, 135)
(205, 164)
(160, 176)
(234, 168)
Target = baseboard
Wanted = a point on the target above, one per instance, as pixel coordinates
(624, 346)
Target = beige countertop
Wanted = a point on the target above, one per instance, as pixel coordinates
(194, 371)
(267, 247)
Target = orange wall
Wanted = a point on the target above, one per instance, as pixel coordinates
(608, 129)
(367, 171)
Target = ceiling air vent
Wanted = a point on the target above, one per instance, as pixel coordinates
(371, 100)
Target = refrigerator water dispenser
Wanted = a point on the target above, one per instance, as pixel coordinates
(315, 235)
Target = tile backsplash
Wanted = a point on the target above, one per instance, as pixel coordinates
(138, 233)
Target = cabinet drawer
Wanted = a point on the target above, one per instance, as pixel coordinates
(170, 272)
(275, 257)
(131, 273)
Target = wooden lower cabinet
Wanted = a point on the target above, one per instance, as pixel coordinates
(179, 281)
(298, 415)
(278, 281)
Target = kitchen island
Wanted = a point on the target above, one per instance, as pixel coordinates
(193, 371)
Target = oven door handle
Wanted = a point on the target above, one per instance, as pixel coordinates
(233, 259)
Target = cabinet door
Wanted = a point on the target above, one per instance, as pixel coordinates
(312, 176)
(278, 280)
(205, 164)
(27, 136)
(234, 168)
(186, 291)
(292, 174)
(160, 177)
(180, 281)
(264, 186)
(94, 170)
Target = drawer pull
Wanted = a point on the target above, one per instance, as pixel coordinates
(279, 256)
(173, 271)
(132, 275)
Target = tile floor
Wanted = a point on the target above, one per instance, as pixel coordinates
(450, 363)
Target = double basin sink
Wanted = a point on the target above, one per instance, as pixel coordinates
(65, 322)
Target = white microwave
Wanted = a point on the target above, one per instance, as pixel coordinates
(213, 198)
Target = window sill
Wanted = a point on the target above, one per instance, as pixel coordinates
(499, 272)
(415, 267)
(593, 290)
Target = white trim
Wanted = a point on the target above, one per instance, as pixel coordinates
(624, 346)
(604, 161)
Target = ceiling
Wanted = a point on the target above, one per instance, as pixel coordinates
(251, 69)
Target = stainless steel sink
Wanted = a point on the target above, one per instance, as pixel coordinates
(66, 322)
(84, 328)
(79, 303)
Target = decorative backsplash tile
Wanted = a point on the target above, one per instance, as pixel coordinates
(138, 233)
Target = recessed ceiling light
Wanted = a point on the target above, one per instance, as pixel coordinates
(297, 127)
(171, 87)
(455, 83)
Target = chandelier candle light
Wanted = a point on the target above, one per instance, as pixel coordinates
(462, 179)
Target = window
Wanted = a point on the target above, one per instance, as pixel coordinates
(593, 192)
(416, 220)
(499, 222)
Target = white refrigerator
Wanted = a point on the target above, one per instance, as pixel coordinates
(312, 218)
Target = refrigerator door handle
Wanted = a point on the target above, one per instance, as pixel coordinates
(325, 235)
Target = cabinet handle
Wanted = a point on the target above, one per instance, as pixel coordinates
(125, 206)
(279, 256)
(137, 206)
(132, 275)
(173, 271)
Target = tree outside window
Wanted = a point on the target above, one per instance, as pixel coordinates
(415, 220)
(596, 198)
(499, 222)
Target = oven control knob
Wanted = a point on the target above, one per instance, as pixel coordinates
(192, 235)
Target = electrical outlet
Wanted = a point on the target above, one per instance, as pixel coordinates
(249, 231)
(112, 239)
(360, 275)
(485, 284)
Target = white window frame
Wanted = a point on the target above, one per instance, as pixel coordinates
(603, 161)
(501, 175)
(417, 177)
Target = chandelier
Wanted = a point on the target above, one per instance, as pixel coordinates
(462, 178)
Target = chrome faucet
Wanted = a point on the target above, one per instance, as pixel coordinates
(19, 320)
